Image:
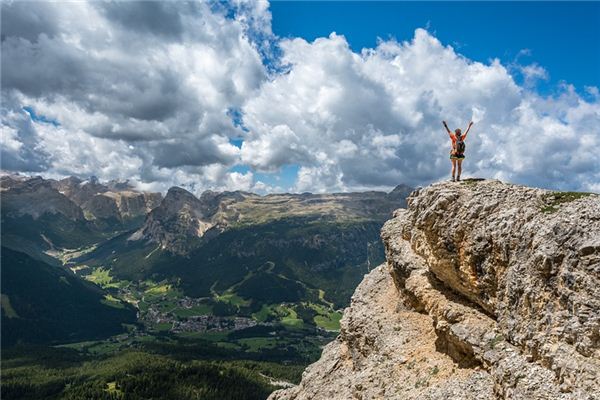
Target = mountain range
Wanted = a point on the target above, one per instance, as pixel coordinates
(290, 259)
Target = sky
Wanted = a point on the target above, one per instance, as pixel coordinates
(301, 96)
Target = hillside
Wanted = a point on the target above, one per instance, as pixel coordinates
(224, 262)
(46, 304)
(223, 246)
(44, 217)
(490, 291)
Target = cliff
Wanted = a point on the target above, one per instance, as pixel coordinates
(176, 222)
(490, 291)
(114, 200)
(34, 197)
(182, 219)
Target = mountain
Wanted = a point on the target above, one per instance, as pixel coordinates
(182, 218)
(37, 218)
(239, 259)
(233, 242)
(111, 204)
(177, 222)
(252, 285)
(35, 197)
(490, 291)
(42, 303)
(44, 215)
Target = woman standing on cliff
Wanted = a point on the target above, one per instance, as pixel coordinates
(457, 153)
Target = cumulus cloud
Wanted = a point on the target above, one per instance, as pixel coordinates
(150, 83)
(155, 91)
(374, 119)
(21, 146)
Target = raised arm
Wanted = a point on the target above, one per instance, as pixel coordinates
(447, 129)
(468, 129)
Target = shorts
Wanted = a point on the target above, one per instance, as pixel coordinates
(457, 156)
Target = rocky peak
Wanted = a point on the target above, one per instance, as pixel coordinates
(69, 182)
(177, 222)
(35, 197)
(490, 291)
(177, 197)
(400, 192)
(74, 198)
(114, 200)
(77, 190)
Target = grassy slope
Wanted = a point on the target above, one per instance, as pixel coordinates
(53, 305)
(320, 254)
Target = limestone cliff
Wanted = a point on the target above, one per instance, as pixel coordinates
(34, 197)
(490, 291)
(179, 219)
(116, 200)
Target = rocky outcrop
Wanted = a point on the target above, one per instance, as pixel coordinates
(122, 205)
(34, 197)
(490, 291)
(78, 190)
(113, 200)
(75, 199)
(176, 222)
(182, 219)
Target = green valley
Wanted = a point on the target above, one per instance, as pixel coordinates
(203, 292)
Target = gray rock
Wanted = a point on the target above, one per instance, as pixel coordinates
(495, 295)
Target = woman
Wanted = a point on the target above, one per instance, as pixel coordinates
(457, 153)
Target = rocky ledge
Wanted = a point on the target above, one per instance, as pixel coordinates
(490, 291)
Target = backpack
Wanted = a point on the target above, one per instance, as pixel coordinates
(460, 146)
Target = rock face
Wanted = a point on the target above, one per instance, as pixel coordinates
(113, 200)
(34, 197)
(178, 219)
(490, 291)
(75, 199)
(182, 219)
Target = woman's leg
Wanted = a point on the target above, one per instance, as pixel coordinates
(459, 168)
(453, 167)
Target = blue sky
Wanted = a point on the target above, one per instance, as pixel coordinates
(560, 36)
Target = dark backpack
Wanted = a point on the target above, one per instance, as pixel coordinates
(460, 145)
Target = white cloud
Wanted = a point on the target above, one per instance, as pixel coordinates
(374, 119)
(10, 140)
(532, 73)
(126, 89)
(153, 103)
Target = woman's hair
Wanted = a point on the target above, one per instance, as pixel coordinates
(457, 131)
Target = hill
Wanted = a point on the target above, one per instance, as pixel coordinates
(44, 218)
(42, 303)
(232, 260)
(490, 291)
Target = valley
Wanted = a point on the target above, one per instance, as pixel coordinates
(255, 284)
